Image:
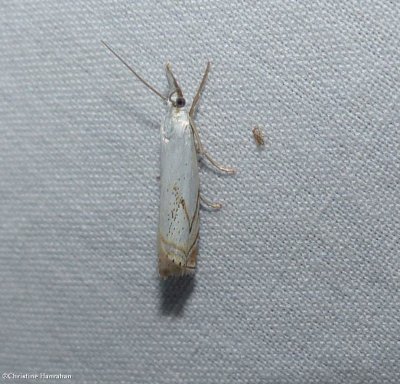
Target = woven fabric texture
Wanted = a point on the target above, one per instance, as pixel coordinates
(298, 274)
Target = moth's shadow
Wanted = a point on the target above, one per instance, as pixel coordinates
(174, 294)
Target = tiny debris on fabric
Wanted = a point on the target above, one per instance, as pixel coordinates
(258, 136)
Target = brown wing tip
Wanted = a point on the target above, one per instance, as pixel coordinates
(167, 268)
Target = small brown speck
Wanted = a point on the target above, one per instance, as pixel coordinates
(258, 136)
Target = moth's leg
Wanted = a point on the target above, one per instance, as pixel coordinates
(210, 203)
(202, 152)
(196, 99)
(217, 165)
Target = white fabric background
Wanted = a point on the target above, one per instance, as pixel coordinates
(298, 274)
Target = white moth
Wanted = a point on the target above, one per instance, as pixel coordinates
(178, 229)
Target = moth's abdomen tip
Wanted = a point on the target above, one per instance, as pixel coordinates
(168, 268)
(166, 273)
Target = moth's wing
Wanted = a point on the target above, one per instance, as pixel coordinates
(178, 233)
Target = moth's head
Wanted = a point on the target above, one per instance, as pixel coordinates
(175, 97)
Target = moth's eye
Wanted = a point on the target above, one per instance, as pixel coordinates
(180, 102)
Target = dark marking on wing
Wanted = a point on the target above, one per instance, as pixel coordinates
(196, 212)
(194, 243)
(183, 203)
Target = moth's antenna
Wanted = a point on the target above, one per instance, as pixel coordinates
(131, 69)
